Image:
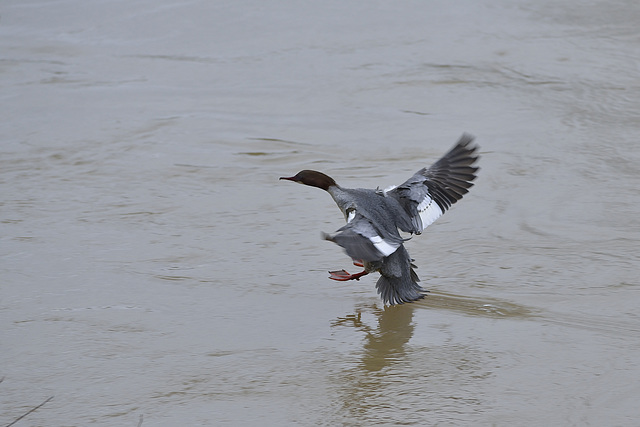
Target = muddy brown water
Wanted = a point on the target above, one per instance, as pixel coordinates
(152, 265)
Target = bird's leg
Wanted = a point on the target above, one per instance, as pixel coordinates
(343, 275)
(358, 263)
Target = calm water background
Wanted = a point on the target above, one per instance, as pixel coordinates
(152, 264)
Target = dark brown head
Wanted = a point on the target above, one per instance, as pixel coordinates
(312, 178)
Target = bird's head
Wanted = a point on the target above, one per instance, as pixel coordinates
(312, 178)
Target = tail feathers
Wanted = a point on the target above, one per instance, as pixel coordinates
(398, 281)
(394, 290)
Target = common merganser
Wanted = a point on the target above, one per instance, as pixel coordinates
(371, 236)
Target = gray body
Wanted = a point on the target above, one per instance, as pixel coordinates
(377, 214)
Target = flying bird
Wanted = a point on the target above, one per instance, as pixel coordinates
(371, 237)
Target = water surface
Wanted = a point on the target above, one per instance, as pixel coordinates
(153, 265)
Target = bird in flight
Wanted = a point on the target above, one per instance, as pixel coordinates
(371, 237)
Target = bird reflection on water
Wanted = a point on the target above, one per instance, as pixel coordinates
(394, 363)
(385, 343)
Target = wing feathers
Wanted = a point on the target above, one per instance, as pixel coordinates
(362, 241)
(444, 183)
(382, 246)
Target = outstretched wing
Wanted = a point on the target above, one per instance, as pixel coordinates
(361, 240)
(431, 191)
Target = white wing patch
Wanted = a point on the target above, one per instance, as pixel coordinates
(429, 211)
(386, 190)
(350, 215)
(383, 247)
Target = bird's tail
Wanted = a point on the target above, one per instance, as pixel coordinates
(398, 280)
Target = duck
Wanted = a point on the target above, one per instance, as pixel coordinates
(375, 218)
